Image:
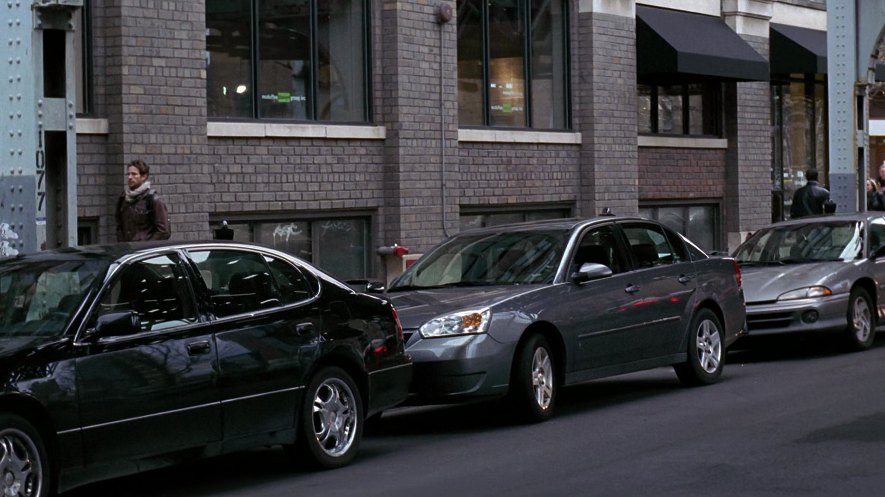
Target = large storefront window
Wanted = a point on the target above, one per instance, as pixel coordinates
(340, 246)
(311, 60)
(687, 109)
(512, 69)
(799, 118)
(699, 222)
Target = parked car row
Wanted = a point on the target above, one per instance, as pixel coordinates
(119, 359)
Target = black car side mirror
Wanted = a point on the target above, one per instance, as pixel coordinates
(117, 324)
(591, 271)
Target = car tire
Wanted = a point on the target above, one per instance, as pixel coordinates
(706, 351)
(533, 382)
(26, 469)
(331, 419)
(861, 320)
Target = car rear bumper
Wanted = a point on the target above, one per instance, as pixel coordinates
(819, 314)
(388, 387)
(459, 368)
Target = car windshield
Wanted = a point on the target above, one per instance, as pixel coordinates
(39, 298)
(509, 258)
(800, 243)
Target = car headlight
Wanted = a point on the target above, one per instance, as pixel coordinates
(458, 323)
(806, 293)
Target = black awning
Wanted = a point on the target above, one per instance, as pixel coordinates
(798, 50)
(680, 46)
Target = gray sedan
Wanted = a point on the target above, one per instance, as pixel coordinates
(821, 273)
(521, 310)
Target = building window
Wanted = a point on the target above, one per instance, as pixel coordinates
(799, 118)
(287, 59)
(480, 219)
(688, 109)
(698, 222)
(82, 58)
(512, 67)
(340, 246)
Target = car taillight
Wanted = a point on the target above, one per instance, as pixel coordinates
(399, 326)
(737, 272)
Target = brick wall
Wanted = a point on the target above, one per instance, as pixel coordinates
(680, 173)
(604, 97)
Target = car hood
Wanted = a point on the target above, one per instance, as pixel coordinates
(416, 307)
(766, 283)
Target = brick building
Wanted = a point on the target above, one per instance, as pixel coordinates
(328, 128)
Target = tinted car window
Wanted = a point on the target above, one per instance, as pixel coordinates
(797, 243)
(295, 286)
(156, 289)
(600, 246)
(238, 282)
(877, 234)
(649, 245)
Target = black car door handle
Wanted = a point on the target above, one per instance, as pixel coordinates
(304, 329)
(198, 348)
(632, 288)
(684, 278)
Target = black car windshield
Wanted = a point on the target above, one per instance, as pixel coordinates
(39, 297)
(801, 243)
(506, 258)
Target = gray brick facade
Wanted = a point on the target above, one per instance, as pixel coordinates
(415, 179)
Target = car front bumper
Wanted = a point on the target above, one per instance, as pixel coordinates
(453, 369)
(817, 314)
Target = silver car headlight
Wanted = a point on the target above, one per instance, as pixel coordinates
(458, 323)
(806, 293)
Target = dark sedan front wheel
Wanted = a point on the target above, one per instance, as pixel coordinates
(332, 419)
(533, 381)
(705, 350)
(24, 468)
(861, 320)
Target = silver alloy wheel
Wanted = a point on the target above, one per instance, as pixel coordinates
(862, 320)
(334, 416)
(709, 346)
(542, 378)
(20, 465)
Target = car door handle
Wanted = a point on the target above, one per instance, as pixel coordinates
(198, 348)
(304, 329)
(632, 288)
(684, 278)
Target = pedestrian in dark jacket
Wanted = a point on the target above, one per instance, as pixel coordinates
(809, 200)
(876, 191)
(141, 215)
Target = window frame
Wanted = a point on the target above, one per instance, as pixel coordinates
(685, 114)
(527, 53)
(312, 86)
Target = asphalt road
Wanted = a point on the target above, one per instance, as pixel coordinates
(786, 420)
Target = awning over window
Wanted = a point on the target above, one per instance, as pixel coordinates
(798, 50)
(674, 46)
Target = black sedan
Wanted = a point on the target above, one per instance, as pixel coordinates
(119, 359)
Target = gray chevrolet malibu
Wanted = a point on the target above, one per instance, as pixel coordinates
(523, 309)
(818, 274)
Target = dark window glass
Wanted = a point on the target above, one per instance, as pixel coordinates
(512, 66)
(229, 85)
(284, 58)
(470, 62)
(294, 285)
(156, 289)
(548, 64)
(649, 245)
(699, 223)
(600, 246)
(339, 246)
(82, 59)
(311, 59)
(692, 109)
(480, 219)
(238, 282)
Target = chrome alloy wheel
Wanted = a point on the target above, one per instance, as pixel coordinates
(861, 319)
(542, 378)
(20, 466)
(709, 346)
(334, 416)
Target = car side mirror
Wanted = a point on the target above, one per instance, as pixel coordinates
(117, 324)
(367, 286)
(591, 271)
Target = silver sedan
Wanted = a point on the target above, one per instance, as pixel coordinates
(822, 273)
